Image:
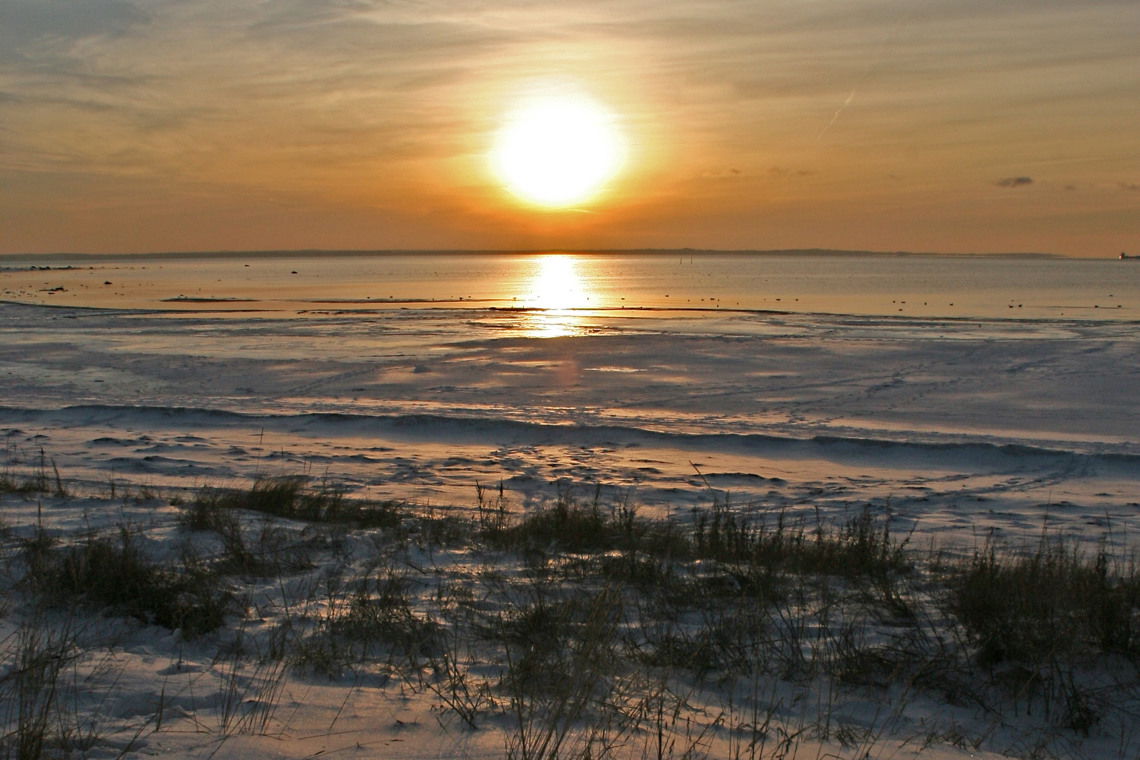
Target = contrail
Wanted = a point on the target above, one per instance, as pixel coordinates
(835, 117)
(872, 67)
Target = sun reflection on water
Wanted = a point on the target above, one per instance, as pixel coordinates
(554, 292)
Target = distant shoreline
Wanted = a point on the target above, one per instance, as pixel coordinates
(347, 253)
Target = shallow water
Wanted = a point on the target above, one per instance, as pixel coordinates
(865, 285)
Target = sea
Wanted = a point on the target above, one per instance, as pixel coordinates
(939, 286)
(959, 395)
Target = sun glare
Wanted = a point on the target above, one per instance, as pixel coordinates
(556, 290)
(557, 151)
(556, 284)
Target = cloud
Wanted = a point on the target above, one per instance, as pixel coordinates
(30, 24)
(372, 101)
(723, 173)
(784, 172)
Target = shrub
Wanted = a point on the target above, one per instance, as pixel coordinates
(863, 547)
(376, 620)
(33, 664)
(290, 498)
(566, 526)
(1049, 603)
(119, 577)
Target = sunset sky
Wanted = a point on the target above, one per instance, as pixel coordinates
(923, 125)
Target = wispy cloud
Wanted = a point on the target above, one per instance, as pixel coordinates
(786, 172)
(388, 105)
(32, 28)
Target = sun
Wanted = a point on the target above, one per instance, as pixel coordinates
(557, 151)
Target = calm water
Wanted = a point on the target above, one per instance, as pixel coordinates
(914, 286)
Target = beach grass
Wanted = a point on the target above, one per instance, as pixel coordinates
(113, 575)
(1053, 602)
(583, 629)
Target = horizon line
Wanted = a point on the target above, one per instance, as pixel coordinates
(293, 252)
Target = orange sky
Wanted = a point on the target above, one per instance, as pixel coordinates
(925, 125)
